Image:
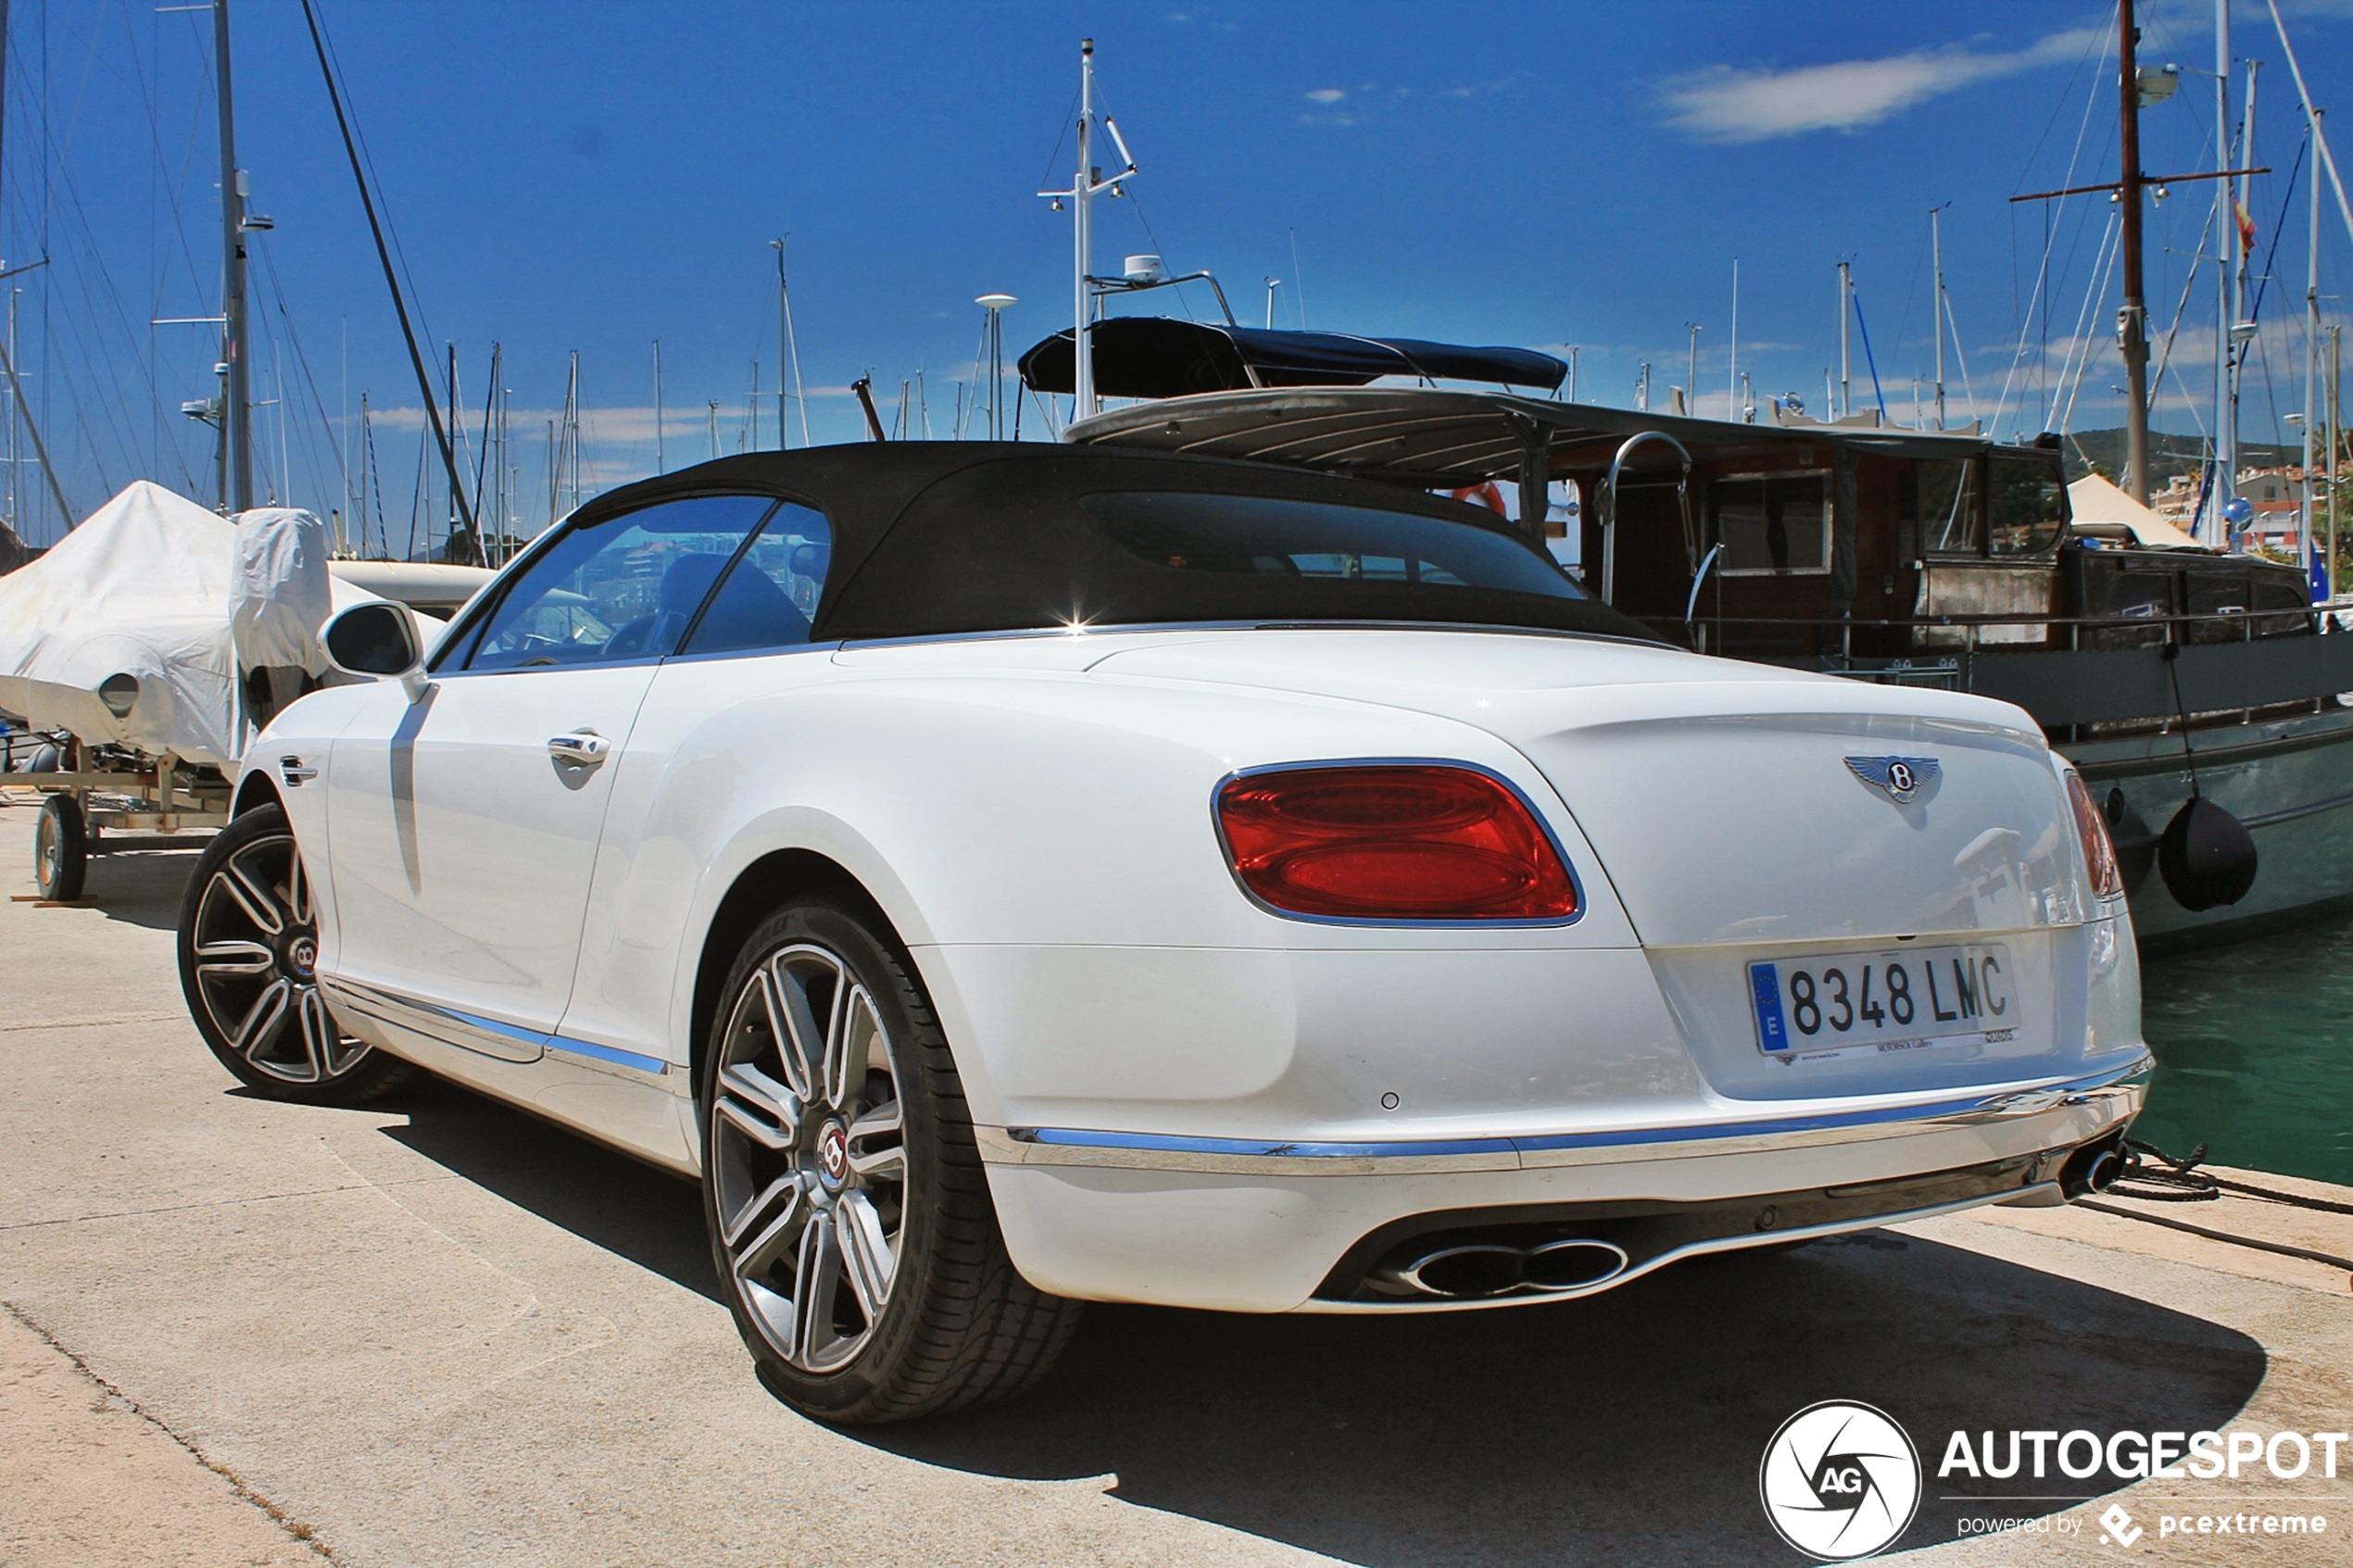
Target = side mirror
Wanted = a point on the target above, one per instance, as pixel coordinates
(379, 640)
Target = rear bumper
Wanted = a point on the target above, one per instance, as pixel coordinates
(1251, 1225)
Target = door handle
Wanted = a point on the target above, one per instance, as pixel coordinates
(581, 748)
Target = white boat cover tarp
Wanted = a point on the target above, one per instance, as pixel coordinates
(154, 586)
(279, 591)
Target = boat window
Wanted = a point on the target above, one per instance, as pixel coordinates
(620, 588)
(1770, 525)
(2030, 506)
(770, 595)
(1938, 509)
(1265, 536)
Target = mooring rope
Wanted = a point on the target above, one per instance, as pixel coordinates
(2154, 1177)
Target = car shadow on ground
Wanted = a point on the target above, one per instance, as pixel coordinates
(649, 1216)
(1628, 1426)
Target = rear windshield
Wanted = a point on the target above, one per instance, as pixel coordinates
(1074, 538)
(1261, 536)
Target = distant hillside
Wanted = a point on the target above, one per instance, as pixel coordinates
(2169, 455)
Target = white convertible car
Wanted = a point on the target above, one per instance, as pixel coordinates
(1008, 876)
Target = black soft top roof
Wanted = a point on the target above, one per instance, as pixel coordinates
(935, 538)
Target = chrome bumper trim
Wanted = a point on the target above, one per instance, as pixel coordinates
(1163, 1152)
(486, 1037)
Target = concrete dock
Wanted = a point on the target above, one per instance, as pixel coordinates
(439, 1332)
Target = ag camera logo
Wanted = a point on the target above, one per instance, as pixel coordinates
(1840, 1481)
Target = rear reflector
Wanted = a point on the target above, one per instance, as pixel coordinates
(2099, 851)
(1393, 840)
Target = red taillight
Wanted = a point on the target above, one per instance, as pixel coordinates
(1393, 840)
(2099, 852)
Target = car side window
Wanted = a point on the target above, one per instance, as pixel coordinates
(624, 588)
(769, 597)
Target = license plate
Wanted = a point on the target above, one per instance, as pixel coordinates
(1883, 1003)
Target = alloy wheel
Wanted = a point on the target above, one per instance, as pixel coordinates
(256, 943)
(808, 1160)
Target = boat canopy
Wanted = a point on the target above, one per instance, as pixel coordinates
(1433, 439)
(2100, 510)
(1152, 357)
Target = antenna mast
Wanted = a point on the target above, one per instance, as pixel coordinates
(1085, 186)
(236, 412)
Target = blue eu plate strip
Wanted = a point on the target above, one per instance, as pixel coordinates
(1765, 985)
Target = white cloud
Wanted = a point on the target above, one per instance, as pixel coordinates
(1325, 96)
(1726, 104)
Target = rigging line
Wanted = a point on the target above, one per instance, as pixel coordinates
(416, 358)
(1070, 119)
(1961, 355)
(1871, 361)
(368, 157)
(2279, 226)
(76, 214)
(59, 151)
(2189, 282)
(169, 190)
(2191, 403)
(2050, 232)
(2076, 340)
(302, 362)
(32, 428)
(2091, 346)
(375, 480)
(2097, 47)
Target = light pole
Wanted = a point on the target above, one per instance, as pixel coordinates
(995, 305)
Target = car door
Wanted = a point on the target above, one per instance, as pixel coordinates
(463, 824)
(680, 782)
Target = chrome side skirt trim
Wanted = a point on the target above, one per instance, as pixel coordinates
(489, 1037)
(1162, 1152)
(1692, 1250)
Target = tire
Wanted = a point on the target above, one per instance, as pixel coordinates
(248, 942)
(60, 849)
(867, 1184)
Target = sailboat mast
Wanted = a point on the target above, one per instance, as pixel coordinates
(2133, 318)
(1082, 193)
(2312, 348)
(1936, 307)
(2211, 529)
(1845, 360)
(237, 418)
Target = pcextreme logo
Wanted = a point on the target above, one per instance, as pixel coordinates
(1840, 1481)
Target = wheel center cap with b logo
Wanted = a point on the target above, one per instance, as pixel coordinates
(833, 1154)
(302, 955)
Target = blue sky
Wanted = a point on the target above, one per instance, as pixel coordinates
(593, 176)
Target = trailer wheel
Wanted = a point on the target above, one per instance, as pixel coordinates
(60, 849)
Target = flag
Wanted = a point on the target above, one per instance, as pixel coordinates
(2247, 229)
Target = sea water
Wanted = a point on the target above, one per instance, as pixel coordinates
(2254, 1046)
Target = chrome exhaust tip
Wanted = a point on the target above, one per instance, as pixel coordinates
(1574, 1265)
(2092, 1169)
(1464, 1273)
(1484, 1270)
